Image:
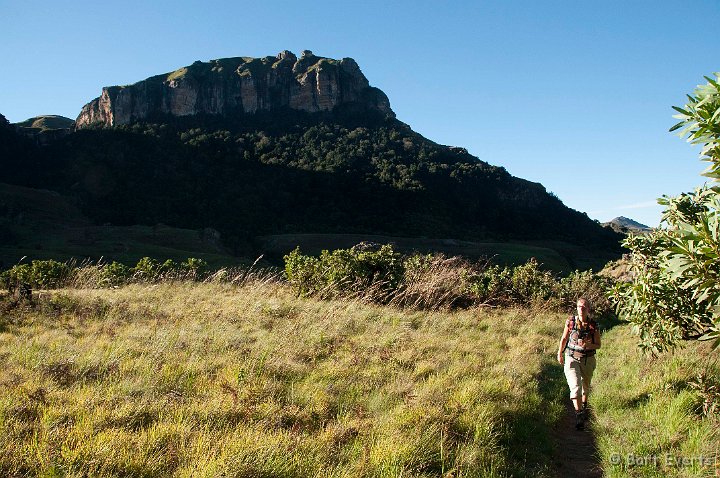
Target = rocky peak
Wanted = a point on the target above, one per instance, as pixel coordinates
(625, 225)
(287, 55)
(231, 86)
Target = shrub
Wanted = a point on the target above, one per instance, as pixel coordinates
(707, 389)
(585, 284)
(47, 274)
(674, 292)
(18, 274)
(492, 285)
(531, 285)
(346, 272)
(147, 269)
(114, 274)
(302, 273)
(194, 268)
(151, 270)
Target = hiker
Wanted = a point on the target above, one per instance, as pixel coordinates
(579, 341)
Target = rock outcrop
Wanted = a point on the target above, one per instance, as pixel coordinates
(233, 86)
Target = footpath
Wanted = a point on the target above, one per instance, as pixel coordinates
(576, 451)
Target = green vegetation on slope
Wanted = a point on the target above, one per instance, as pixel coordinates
(190, 379)
(293, 173)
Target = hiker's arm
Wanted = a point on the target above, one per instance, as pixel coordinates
(563, 342)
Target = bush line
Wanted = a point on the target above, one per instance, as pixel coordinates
(370, 273)
(380, 274)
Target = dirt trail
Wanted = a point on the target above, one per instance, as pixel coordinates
(577, 454)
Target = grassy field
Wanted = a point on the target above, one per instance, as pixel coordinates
(214, 380)
(199, 379)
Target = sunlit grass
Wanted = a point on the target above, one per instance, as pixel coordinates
(188, 379)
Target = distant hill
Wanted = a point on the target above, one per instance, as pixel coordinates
(289, 146)
(45, 129)
(624, 225)
(46, 122)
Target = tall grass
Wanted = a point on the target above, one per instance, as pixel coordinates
(193, 379)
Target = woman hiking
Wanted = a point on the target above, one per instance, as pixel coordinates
(579, 341)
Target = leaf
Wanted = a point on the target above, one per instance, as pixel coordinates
(711, 81)
(677, 126)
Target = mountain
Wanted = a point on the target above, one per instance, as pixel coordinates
(280, 146)
(625, 225)
(232, 86)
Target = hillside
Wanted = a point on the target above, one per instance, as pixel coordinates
(42, 224)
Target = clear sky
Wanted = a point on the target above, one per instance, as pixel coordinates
(573, 94)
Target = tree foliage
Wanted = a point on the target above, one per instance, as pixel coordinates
(675, 290)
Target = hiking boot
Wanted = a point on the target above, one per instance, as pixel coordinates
(579, 420)
(585, 411)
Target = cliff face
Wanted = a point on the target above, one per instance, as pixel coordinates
(239, 85)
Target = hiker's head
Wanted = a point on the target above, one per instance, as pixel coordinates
(583, 307)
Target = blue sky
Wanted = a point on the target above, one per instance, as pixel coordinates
(575, 95)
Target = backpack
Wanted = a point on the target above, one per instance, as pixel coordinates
(576, 334)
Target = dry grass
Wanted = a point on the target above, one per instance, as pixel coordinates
(439, 286)
(189, 379)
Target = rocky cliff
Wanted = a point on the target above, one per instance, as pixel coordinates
(239, 85)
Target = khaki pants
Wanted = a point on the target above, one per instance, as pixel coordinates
(578, 373)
